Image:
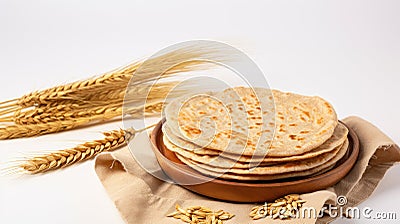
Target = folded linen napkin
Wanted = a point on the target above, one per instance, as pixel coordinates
(142, 198)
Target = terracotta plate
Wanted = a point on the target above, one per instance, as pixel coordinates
(261, 191)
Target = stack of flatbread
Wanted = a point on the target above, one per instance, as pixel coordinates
(252, 134)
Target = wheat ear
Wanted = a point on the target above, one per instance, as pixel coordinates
(30, 130)
(93, 103)
(155, 69)
(88, 150)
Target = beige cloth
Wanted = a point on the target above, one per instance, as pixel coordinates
(141, 198)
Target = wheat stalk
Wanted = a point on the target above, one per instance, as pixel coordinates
(88, 150)
(29, 130)
(100, 112)
(137, 92)
(90, 92)
(54, 93)
(159, 67)
(69, 114)
(102, 104)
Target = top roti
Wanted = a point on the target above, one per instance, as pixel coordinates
(252, 122)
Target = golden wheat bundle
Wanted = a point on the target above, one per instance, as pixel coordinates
(117, 79)
(29, 130)
(73, 110)
(96, 99)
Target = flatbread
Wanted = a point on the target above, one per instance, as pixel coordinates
(229, 176)
(310, 172)
(217, 161)
(242, 121)
(225, 121)
(189, 150)
(338, 137)
(226, 163)
(179, 142)
(280, 168)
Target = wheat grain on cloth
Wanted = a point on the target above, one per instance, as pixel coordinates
(141, 198)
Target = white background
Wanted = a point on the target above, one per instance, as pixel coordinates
(345, 51)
